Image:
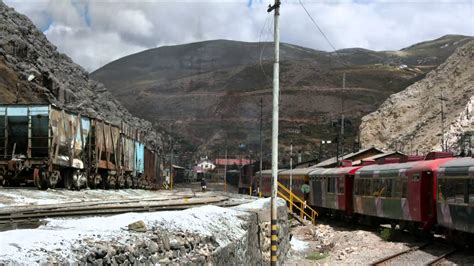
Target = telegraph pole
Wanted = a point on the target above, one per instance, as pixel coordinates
(342, 115)
(291, 166)
(261, 146)
(443, 142)
(276, 94)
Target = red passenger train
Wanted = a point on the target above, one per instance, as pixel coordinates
(435, 193)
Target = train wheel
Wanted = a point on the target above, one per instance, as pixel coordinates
(68, 179)
(53, 178)
(128, 181)
(39, 177)
(3, 180)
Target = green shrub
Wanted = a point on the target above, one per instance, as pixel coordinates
(316, 256)
(388, 234)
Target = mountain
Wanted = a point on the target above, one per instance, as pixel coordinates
(25, 52)
(411, 120)
(209, 91)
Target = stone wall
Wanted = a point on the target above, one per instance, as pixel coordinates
(157, 243)
(259, 238)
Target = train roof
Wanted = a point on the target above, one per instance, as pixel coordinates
(268, 171)
(459, 162)
(334, 171)
(394, 169)
(299, 171)
(429, 165)
(458, 167)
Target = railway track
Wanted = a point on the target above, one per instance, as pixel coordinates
(430, 253)
(14, 217)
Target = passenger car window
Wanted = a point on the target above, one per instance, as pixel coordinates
(340, 185)
(471, 191)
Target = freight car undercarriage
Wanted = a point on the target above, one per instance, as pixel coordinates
(37, 173)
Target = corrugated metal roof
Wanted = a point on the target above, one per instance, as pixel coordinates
(233, 161)
(378, 156)
(345, 157)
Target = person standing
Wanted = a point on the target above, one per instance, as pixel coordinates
(203, 184)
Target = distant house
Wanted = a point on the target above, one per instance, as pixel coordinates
(204, 166)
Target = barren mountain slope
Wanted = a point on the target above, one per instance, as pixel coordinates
(25, 51)
(207, 90)
(411, 120)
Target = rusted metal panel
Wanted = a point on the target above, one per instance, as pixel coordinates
(106, 143)
(149, 166)
(139, 158)
(68, 138)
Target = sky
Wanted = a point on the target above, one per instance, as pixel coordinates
(96, 32)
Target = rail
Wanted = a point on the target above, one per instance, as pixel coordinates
(25, 214)
(296, 202)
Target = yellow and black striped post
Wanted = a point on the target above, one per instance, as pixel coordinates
(274, 242)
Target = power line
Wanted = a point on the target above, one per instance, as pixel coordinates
(317, 26)
(263, 48)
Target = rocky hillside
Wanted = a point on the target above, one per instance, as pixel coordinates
(207, 90)
(25, 51)
(411, 120)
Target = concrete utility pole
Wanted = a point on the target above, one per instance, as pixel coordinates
(225, 153)
(291, 167)
(261, 147)
(342, 116)
(275, 117)
(225, 166)
(443, 141)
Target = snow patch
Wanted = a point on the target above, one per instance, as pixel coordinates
(259, 204)
(298, 245)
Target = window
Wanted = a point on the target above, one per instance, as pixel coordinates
(461, 190)
(362, 187)
(416, 177)
(376, 187)
(404, 187)
(331, 185)
(471, 191)
(456, 190)
(340, 185)
(386, 187)
(367, 187)
(397, 188)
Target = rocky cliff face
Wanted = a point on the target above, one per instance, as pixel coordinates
(411, 120)
(25, 52)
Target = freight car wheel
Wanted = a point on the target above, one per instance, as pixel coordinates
(39, 177)
(53, 178)
(68, 179)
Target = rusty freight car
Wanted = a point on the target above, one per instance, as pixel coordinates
(42, 144)
(45, 146)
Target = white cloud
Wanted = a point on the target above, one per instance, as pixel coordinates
(96, 32)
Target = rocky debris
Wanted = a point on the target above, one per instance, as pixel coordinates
(410, 120)
(25, 51)
(138, 226)
(155, 246)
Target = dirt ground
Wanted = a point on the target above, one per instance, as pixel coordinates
(334, 242)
